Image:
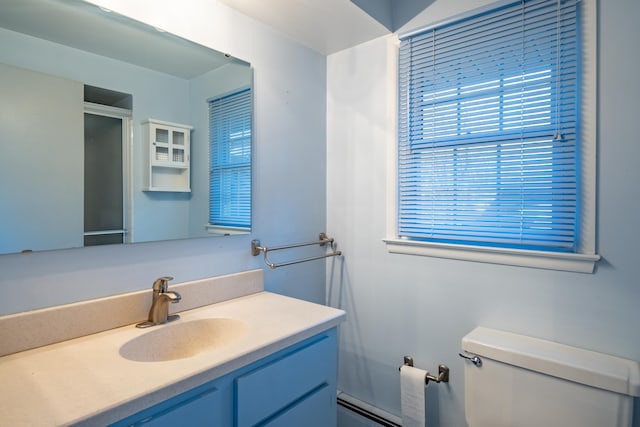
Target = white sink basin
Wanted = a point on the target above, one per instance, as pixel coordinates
(183, 339)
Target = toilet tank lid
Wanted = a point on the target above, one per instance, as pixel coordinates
(559, 360)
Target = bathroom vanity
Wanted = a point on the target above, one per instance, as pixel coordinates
(252, 357)
(295, 386)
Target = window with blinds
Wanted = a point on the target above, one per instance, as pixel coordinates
(230, 160)
(488, 140)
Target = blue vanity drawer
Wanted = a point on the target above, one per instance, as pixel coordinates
(286, 382)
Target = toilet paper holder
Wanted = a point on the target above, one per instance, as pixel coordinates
(443, 372)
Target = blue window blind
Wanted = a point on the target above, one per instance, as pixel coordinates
(230, 160)
(488, 113)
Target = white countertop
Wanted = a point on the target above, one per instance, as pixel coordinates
(86, 381)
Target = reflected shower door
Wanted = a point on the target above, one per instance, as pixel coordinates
(103, 180)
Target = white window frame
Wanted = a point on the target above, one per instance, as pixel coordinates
(585, 258)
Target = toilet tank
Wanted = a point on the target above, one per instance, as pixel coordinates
(529, 382)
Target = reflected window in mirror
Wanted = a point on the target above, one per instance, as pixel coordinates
(230, 123)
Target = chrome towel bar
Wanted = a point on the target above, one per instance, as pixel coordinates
(323, 240)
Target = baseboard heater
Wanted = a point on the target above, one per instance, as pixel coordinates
(366, 411)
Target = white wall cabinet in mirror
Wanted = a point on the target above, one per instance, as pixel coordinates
(169, 159)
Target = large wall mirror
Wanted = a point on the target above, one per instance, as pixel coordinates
(113, 132)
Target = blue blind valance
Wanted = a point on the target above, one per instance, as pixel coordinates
(488, 114)
(230, 160)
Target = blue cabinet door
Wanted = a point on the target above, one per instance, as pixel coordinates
(316, 410)
(269, 390)
(197, 407)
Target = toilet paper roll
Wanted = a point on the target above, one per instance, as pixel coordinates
(412, 389)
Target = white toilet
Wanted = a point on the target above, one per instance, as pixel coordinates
(519, 381)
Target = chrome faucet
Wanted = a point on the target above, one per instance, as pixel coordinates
(159, 312)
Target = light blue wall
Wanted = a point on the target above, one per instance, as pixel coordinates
(289, 174)
(409, 305)
(41, 122)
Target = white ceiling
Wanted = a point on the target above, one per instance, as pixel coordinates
(87, 27)
(326, 26)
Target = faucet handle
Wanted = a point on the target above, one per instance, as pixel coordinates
(161, 284)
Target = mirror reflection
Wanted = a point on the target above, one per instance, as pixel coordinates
(116, 132)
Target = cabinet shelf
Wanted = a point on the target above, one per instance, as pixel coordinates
(170, 165)
(168, 162)
(167, 189)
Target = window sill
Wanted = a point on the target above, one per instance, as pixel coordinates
(220, 230)
(578, 263)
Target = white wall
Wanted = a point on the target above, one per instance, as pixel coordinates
(289, 174)
(41, 115)
(409, 305)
